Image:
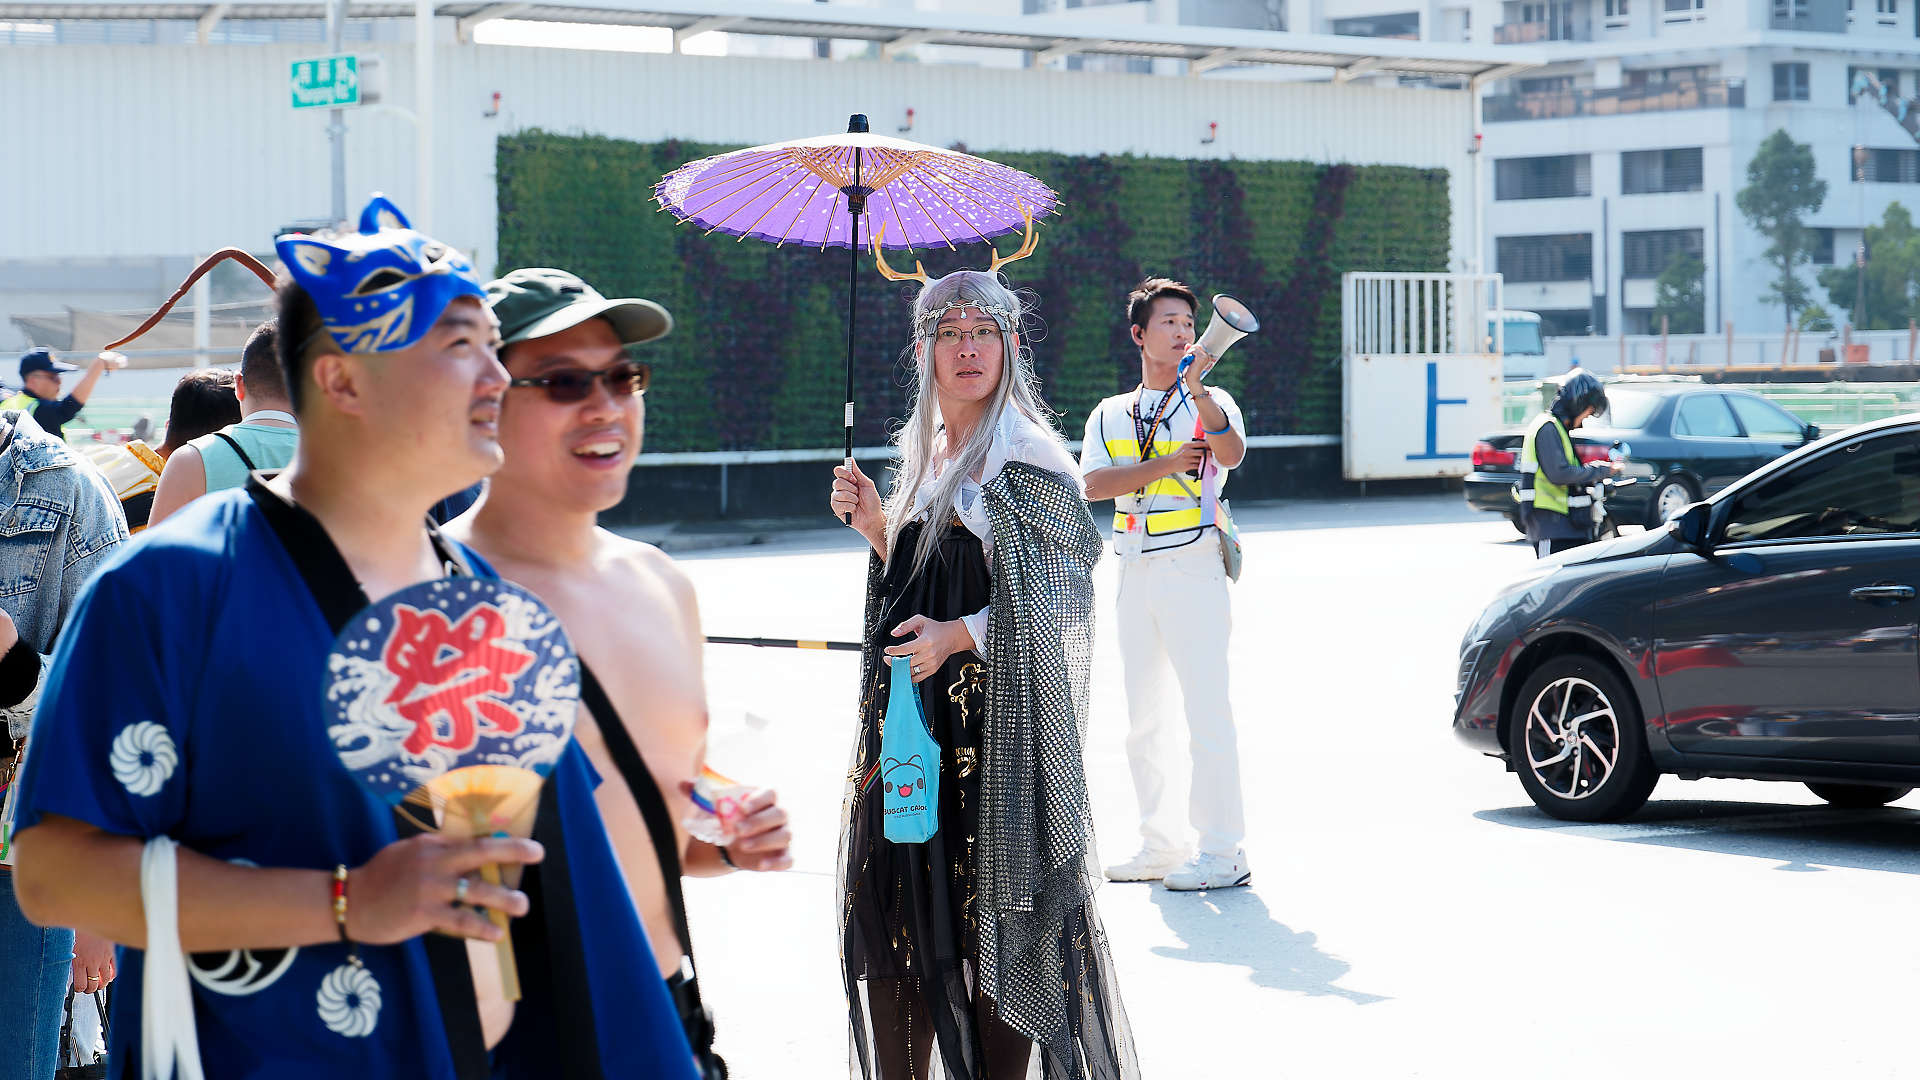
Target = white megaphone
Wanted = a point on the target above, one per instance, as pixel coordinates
(1232, 320)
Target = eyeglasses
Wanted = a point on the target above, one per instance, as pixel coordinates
(951, 335)
(569, 385)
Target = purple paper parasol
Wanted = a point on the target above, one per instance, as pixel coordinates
(820, 192)
(917, 196)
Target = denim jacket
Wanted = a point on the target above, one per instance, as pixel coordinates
(58, 522)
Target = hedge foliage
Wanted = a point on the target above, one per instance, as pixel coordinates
(756, 360)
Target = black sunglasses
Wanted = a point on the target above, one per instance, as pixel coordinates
(574, 384)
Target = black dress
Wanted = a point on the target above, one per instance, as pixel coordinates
(908, 943)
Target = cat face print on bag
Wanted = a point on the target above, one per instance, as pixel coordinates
(903, 778)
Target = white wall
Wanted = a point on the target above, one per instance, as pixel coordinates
(152, 150)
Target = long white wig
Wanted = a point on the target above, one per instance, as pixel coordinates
(988, 294)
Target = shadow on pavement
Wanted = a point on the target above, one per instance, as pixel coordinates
(1800, 838)
(1233, 927)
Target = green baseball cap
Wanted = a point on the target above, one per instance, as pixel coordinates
(536, 302)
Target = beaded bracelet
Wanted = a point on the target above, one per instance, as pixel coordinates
(340, 901)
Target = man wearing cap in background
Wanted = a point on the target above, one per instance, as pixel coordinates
(570, 425)
(40, 374)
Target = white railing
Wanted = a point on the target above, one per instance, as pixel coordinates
(1392, 314)
(1695, 352)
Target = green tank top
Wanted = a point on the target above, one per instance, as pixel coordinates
(267, 447)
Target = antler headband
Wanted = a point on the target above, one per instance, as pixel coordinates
(920, 272)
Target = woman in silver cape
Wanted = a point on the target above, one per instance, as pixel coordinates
(978, 955)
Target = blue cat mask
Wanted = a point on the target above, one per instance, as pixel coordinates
(382, 288)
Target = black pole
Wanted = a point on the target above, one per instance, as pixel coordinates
(856, 205)
(786, 643)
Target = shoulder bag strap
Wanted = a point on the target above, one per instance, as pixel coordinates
(331, 582)
(234, 445)
(646, 792)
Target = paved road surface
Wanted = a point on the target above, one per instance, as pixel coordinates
(1411, 914)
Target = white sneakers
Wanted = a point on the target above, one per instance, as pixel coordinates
(1148, 865)
(1208, 872)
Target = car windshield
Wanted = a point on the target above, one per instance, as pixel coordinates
(1628, 409)
(1522, 338)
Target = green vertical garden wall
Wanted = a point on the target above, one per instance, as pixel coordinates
(755, 360)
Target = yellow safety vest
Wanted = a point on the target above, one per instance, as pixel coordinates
(1535, 489)
(22, 400)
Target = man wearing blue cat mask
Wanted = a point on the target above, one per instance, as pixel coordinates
(185, 707)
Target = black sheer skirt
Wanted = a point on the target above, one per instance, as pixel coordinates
(908, 942)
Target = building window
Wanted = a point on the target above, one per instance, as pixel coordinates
(1670, 76)
(1647, 172)
(1790, 9)
(1561, 257)
(1887, 7)
(1822, 247)
(1646, 254)
(1568, 176)
(1877, 166)
(1550, 84)
(1616, 9)
(1887, 77)
(1404, 24)
(1789, 82)
(1684, 8)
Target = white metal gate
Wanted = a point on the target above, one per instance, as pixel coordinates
(1421, 380)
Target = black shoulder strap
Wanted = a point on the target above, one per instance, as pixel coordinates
(234, 445)
(646, 792)
(341, 597)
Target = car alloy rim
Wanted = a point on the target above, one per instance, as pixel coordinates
(1572, 738)
(1673, 499)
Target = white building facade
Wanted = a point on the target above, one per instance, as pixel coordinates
(1634, 140)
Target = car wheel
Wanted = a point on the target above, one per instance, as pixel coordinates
(1673, 495)
(1578, 744)
(1856, 796)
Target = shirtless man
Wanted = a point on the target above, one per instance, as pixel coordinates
(571, 425)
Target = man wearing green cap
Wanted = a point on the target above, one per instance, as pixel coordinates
(571, 425)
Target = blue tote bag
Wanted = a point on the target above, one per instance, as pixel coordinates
(909, 763)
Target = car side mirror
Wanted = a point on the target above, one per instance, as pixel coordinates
(1812, 433)
(1692, 526)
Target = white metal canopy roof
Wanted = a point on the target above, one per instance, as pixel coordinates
(1048, 37)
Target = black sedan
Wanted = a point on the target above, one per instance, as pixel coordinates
(1771, 632)
(1685, 441)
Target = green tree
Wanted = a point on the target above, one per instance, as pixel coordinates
(1680, 295)
(1891, 275)
(1817, 318)
(1781, 190)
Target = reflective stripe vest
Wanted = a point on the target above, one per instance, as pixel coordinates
(1535, 489)
(22, 401)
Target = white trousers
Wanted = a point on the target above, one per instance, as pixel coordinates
(1175, 618)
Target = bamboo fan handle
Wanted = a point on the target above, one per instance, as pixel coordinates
(509, 973)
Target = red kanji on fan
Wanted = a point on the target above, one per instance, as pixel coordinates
(461, 666)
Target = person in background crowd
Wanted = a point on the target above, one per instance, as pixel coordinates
(78, 526)
(571, 424)
(40, 375)
(262, 437)
(203, 401)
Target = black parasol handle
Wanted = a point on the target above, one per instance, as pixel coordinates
(856, 205)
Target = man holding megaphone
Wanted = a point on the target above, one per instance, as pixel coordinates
(1177, 549)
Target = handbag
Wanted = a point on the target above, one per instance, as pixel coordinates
(71, 1067)
(909, 763)
(1229, 541)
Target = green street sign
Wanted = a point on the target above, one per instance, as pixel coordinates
(327, 82)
